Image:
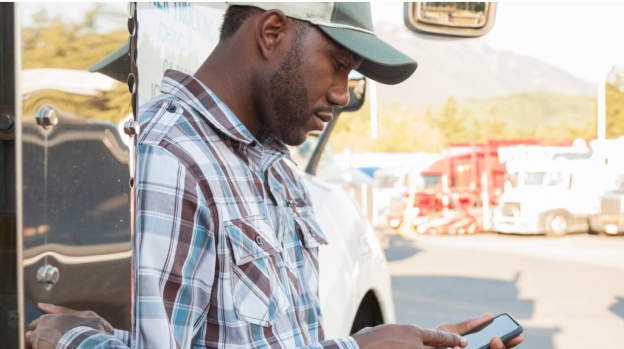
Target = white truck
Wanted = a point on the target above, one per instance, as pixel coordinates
(553, 190)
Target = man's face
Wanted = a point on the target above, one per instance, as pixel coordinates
(311, 81)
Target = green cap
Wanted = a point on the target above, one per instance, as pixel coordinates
(351, 25)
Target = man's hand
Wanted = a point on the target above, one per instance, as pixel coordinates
(495, 343)
(406, 336)
(47, 331)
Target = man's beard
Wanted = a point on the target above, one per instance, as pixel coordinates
(290, 97)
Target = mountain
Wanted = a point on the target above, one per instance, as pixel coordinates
(469, 69)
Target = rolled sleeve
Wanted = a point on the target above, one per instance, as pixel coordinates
(123, 336)
(342, 343)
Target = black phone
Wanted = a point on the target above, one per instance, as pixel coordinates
(31, 313)
(503, 326)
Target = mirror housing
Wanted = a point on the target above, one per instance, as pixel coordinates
(357, 92)
(463, 19)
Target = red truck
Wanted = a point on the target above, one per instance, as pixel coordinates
(455, 194)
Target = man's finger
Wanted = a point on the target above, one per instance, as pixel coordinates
(33, 325)
(34, 340)
(472, 323)
(27, 339)
(435, 338)
(54, 309)
(514, 342)
(57, 309)
(496, 343)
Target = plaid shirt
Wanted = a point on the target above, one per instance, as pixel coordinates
(225, 244)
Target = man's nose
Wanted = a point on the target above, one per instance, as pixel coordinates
(338, 96)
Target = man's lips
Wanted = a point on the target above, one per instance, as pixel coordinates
(326, 117)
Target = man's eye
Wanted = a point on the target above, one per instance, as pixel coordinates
(341, 65)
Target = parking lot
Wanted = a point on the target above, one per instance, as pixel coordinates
(568, 292)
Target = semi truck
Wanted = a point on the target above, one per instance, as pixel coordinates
(457, 193)
(555, 190)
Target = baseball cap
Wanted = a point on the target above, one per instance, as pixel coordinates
(351, 25)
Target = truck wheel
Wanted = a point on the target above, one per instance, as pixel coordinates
(558, 225)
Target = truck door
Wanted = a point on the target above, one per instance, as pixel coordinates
(74, 221)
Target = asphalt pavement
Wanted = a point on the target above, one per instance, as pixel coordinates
(568, 293)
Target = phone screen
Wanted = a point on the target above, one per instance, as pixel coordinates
(481, 335)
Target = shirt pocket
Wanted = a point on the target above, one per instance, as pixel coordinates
(311, 233)
(258, 292)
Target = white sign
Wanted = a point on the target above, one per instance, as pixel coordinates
(174, 35)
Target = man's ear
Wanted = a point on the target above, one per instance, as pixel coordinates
(270, 32)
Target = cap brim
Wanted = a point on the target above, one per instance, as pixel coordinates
(382, 62)
(116, 65)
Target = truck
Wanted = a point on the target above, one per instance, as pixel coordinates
(554, 190)
(455, 194)
(608, 217)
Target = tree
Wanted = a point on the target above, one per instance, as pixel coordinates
(615, 104)
(53, 43)
(448, 122)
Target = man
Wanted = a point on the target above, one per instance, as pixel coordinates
(225, 245)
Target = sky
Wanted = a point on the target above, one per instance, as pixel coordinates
(583, 38)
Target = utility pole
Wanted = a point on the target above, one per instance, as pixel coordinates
(602, 105)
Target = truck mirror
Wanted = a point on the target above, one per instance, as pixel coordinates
(467, 19)
(357, 92)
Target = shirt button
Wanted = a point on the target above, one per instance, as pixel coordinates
(253, 144)
(172, 109)
(289, 203)
(258, 240)
(312, 233)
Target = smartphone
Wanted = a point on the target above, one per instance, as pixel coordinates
(503, 326)
(31, 313)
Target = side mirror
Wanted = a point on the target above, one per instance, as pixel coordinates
(357, 92)
(467, 19)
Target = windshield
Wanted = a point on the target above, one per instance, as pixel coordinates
(386, 181)
(551, 179)
(430, 181)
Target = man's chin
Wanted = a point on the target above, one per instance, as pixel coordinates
(295, 139)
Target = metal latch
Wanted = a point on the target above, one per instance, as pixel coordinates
(132, 128)
(46, 117)
(48, 276)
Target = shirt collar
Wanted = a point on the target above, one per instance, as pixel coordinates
(194, 93)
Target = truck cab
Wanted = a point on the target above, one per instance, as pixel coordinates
(552, 190)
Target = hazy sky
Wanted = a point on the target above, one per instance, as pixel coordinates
(583, 38)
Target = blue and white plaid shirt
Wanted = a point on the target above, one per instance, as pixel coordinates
(225, 245)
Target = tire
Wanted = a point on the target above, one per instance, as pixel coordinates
(558, 225)
(368, 314)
